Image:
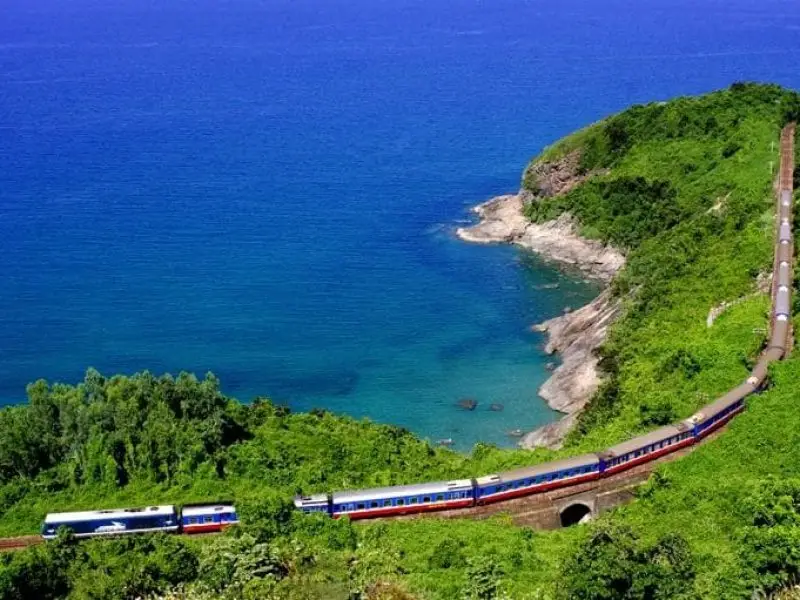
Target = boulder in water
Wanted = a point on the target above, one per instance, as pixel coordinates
(467, 403)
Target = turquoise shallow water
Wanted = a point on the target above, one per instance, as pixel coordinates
(268, 189)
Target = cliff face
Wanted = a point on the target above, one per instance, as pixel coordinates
(575, 335)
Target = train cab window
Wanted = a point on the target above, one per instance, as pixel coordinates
(440, 497)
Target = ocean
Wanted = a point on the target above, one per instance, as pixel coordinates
(268, 189)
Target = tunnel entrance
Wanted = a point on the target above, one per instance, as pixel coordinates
(574, 514)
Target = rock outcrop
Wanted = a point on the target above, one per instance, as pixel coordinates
(503, 221)
(552, 178)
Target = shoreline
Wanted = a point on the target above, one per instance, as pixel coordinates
(575, 335)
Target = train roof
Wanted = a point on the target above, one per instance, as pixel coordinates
(549, 467)
(641, 441)
(193, 511)
(723, 402)
(115, 513)
(436, 487)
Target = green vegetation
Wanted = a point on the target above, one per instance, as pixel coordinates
(684, 188)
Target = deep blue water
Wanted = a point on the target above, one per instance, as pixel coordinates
(268, 189)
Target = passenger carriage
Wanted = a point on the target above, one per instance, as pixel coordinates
(540, 478)
(715, 415)
(121, 521)
(646, 448)
(207, 518)
(401, 499)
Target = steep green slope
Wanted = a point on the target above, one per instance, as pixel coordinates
(685, 188)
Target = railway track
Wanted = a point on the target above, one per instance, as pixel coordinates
(19, 543)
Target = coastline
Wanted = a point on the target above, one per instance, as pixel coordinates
(575, 335)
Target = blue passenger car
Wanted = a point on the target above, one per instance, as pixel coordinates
(539, 478)
(112, 522)
(206, 518)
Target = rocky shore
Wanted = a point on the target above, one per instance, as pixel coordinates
(503, 221)
(576, 335)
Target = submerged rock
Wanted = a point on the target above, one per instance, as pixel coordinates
(467, 404)
(496, 407)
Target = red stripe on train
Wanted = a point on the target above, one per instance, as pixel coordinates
(408, 509)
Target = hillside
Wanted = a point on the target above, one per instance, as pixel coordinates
(684, 188)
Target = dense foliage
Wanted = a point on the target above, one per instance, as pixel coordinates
(684, 188)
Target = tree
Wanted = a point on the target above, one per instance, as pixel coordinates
(612, 565)
(484, 575)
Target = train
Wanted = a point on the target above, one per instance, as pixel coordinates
(497, 487)
(194, 518)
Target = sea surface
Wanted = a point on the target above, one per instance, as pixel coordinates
(268, 189)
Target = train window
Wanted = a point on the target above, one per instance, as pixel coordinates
(360, 506)
(387, 502)
(208, 519)
(413, 501)
(373, 505)
(401, 501)
(426, 498)
(440, 497)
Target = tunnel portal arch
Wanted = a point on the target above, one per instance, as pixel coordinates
(575, 513)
